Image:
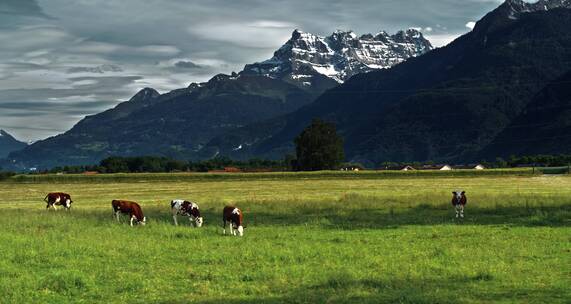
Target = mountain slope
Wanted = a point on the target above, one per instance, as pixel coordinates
(176, 124)
(445, 105)
(9, 144)
(544, 126)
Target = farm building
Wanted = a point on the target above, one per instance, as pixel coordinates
(437, 167)
(351, 168)
(399, 168)
(470, 167)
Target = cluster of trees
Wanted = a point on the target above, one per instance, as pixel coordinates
(536, 160)
(5, 175)
(318, 147)
(163, 164)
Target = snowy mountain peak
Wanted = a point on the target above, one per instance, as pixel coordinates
(145, 95)
(306, 56)
(516, 7)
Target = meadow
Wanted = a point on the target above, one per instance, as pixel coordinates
(329, 237)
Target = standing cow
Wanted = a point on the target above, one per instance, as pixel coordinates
(54, 199)
(459, 202)
(131, 208)
(233, 217)
(186, 208)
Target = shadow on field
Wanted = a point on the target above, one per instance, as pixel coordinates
(375, 218)
(347, 216)
(343, 288)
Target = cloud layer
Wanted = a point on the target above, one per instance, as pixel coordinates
(63, 59)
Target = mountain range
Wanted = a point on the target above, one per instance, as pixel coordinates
(448, 105)
(393, 98)
(180, 123)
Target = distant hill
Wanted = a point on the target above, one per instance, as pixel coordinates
(543, 127)
(446, 105)
(176, 124)
(9, 144)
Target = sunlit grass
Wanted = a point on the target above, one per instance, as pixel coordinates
(308, 240)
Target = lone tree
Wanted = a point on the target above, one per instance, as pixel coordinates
(318, 147)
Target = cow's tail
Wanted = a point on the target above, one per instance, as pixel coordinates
(46, 198)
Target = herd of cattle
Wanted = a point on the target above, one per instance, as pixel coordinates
(232, 217)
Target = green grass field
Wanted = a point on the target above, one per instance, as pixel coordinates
(310, 238)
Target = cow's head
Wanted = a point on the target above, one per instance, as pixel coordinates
(144, 221)
(240, 230)
(198, 221)
(195, 213)
(457, 195)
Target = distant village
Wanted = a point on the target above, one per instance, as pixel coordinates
(439, 167)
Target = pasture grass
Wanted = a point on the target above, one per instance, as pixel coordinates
(336, 239)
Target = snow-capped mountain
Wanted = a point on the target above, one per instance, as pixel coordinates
(519, 6)
(339, 56)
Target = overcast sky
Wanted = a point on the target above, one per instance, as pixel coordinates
(63, 59)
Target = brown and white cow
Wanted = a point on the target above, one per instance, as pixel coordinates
(233, 217)
(186, 208)
(131, 208)
(459, 202)
(54, 199)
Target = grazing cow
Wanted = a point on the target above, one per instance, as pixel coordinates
(459, 202)
(54, 199)
(233, 217)
(186, 208)
(131, 208)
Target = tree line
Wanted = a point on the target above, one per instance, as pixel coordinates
(156, 164)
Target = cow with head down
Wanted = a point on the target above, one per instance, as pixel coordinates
(459, 202)
(55, 199)
(130, 208)
(186, 208)
(234, 218)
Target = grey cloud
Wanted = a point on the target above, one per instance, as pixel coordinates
(95, 70)
(21, 7)
(69, 107)
(187, 65)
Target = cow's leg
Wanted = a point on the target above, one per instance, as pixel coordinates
(56, 202)
(224, 224)
(457, 211)
(192, 221)
(117, 216)
(132, 218)
(174, 214)
(461, 211)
